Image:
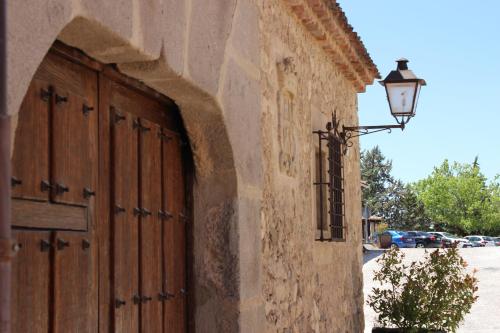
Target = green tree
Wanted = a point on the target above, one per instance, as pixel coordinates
(458, 199)
(376, 172)
(387, 197)
(403, 209)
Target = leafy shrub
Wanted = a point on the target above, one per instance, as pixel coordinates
(432, 294)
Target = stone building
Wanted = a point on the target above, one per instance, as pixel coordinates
(250, 80)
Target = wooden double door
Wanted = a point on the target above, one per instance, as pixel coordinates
(99, 203)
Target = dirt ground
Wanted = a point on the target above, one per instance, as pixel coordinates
(485, 313)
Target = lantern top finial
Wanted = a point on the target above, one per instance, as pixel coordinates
(402, 64)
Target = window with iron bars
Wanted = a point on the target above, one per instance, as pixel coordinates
(329, 183)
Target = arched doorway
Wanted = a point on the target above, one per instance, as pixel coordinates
(101, 192)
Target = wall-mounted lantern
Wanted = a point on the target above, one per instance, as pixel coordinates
(402, 89)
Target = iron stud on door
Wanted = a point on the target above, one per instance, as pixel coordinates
(87, 193)
(164, 215)
(45, 186)
(45, 245)
(14, 181)
(119, 303)
(61, 244)
(119, 209)
(46, 94)
(86, 109)
(61, 99)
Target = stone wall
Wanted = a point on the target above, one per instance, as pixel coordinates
(307, 285)
(251, 84)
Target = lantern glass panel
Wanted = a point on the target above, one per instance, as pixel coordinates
(401, 97)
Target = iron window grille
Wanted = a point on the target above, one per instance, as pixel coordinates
(330, 187)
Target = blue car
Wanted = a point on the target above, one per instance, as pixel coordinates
(400, 239)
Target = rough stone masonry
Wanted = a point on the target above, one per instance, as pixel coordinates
(252, 79)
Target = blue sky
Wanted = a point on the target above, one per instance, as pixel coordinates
(455, 47)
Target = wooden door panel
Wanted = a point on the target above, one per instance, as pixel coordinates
(125, 182)
(75, 294)
(180, 221)
(173, 235)
(150, 242)
(30, 159)
(30, 300)
(74, 144)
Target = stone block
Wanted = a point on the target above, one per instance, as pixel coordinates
(210, 26)
(152, 18)
(117, 15)
(174, 33)
(253, 319)
(242, 111)
(249, 217)
(245, 36)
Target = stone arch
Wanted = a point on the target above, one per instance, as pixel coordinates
(133, 47)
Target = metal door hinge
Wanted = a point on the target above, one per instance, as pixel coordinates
(86, 109)
(15, 181)
(87, 193)
(61, 244)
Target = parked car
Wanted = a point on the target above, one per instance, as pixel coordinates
(448, 240)
(475, 240)
(424, 239)
(497, 241)
(400, 239)
(484, 240)
(490, 241)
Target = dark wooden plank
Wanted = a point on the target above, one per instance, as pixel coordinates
(124, 162)
(180, 222)
(44, 215)
(75, 296)
(30, 302)
(168, 233)
(173, 236)
(102, 229)
(150, 243)
(30, 159)
(74, 133)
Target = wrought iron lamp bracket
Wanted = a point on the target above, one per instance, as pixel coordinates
(346, 133)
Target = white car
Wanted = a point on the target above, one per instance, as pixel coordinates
(484, 240)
